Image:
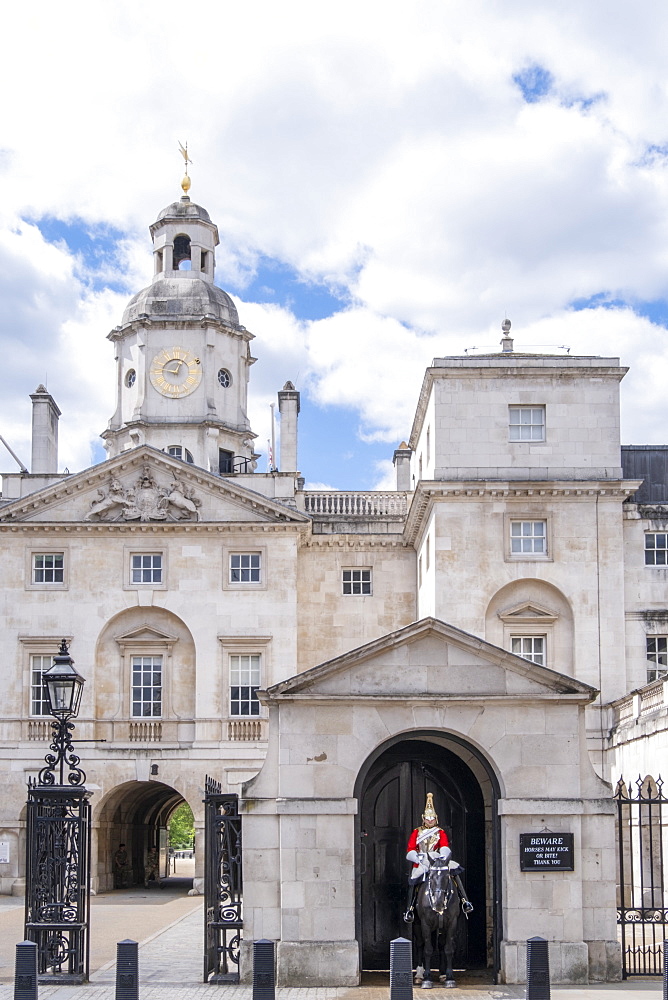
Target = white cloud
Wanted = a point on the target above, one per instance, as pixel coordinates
(380, 146)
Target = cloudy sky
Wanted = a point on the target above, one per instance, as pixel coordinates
(389, 180)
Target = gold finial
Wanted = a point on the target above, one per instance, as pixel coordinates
(185, 183)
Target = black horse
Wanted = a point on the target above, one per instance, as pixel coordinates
(437, 912)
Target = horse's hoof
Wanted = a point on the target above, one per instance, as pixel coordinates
(450, 984)
(427, 984)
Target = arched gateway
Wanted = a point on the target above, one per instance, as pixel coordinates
(354, 743)
(135, 814)
(391, 790)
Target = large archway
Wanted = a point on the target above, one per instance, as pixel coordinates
(136, 814)
(391, 791)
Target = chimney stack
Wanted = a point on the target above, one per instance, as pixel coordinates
(288, 407)
(45, 416)
(402, 463)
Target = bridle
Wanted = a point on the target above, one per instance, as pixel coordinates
(440, 898)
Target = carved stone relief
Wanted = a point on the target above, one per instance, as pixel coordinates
(145, 501)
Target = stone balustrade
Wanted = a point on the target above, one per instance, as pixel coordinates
(245, 730)
(334, 504)
(40, 730)
(641, 703)
(145, 732)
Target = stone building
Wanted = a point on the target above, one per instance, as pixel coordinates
(332, 656)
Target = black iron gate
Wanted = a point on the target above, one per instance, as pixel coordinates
(642, 839)
(57, 881)
(222, 885)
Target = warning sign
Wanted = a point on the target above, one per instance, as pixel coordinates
(547, 851)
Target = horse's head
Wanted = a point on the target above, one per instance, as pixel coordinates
(440, 885)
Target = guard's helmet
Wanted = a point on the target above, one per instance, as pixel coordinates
(429, 811)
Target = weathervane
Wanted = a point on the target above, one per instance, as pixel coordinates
(185, 183)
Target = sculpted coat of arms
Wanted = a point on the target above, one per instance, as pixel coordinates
(145, 500)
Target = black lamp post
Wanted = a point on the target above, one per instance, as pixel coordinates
(58, 839)
(64, 687)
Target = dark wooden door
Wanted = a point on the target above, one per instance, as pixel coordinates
(392, 803)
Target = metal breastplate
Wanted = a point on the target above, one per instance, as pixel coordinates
(429, 843)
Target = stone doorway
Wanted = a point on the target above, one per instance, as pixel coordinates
(392, 795)
(136, 814)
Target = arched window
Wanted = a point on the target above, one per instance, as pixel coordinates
(178, 451)
(181, 255)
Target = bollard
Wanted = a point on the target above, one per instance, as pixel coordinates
(665, 970)
(264, 986)
(401, 969)
(538, 969)
(127, 970)
(25, 973)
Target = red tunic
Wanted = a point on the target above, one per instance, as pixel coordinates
(413, 841)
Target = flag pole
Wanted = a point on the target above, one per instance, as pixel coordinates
(273, 439)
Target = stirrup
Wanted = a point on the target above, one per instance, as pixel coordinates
(409, 916)
(467, 906)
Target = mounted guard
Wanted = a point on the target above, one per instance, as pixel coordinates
(425, 844)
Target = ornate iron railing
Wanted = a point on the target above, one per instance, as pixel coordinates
(222, 885)
(642, 839)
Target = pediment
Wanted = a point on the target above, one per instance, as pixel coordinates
(147, 634)
(429, 660)
(528, 612)
(147, 486)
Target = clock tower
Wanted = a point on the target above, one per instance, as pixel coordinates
(182, 358)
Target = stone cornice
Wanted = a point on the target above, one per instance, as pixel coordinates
(152, 422)
(659, 615)
(421, 409)
(151, 527)
(206, 322)
(427, 493)
(429, 697)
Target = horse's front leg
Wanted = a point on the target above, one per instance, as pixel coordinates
(428, 952)
(448, 977)
(418, 952)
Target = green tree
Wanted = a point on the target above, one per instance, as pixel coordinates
(181, 827)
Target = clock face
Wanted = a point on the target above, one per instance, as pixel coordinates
(175, 372)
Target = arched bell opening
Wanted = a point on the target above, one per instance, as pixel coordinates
(136, 814)
(181, 256)
(391, 791)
